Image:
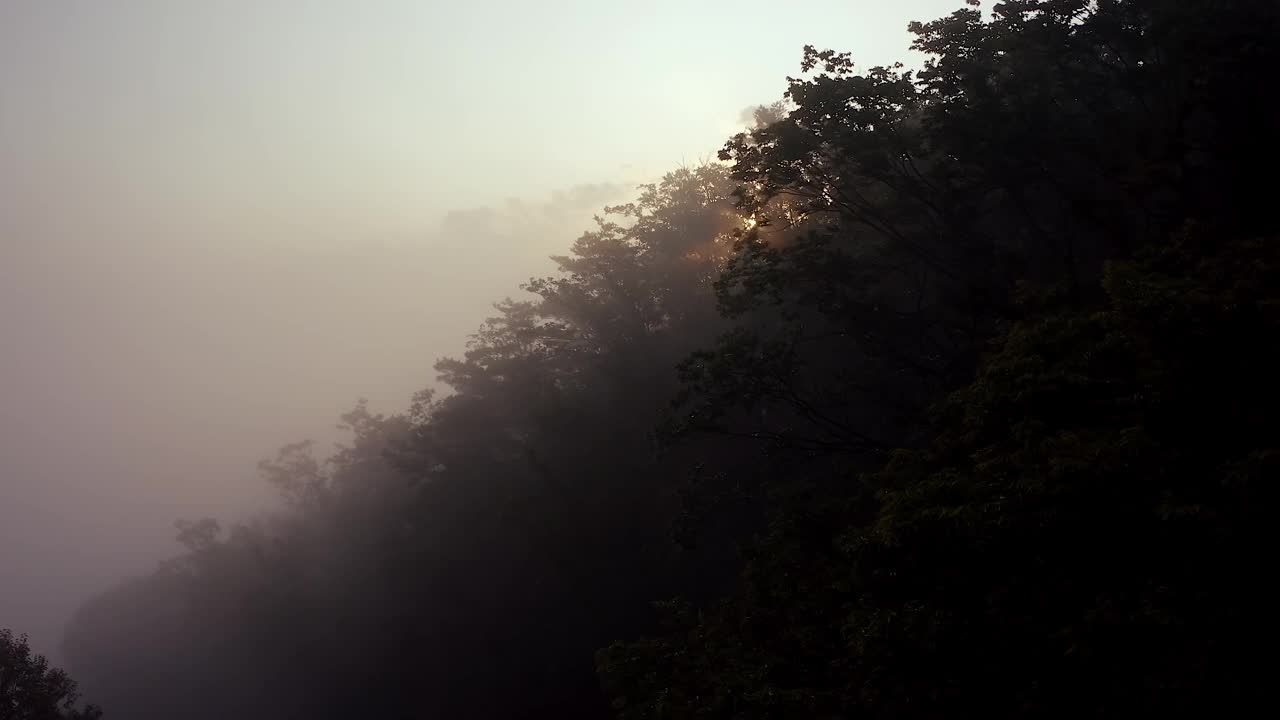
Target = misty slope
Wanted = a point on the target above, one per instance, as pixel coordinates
(177, 359)
(1053, 235)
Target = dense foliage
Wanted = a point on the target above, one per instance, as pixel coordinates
(32, 690)
(1084, 536)
(946, 392)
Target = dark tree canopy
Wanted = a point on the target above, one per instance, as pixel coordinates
(1084, 536)
(945, 393)
(32, 690)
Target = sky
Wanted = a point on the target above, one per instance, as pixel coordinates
(224, 221)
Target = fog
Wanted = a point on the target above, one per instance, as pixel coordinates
(223, 223)
(142, 383)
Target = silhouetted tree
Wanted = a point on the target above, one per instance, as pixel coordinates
(31, 690)
(1082, 534)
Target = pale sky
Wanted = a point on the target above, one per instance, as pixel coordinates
(223, 221)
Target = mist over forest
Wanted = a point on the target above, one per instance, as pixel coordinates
(918, 389)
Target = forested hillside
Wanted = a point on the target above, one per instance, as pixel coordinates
(944, 393)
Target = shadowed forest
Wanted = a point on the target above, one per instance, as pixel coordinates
(945, 392)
